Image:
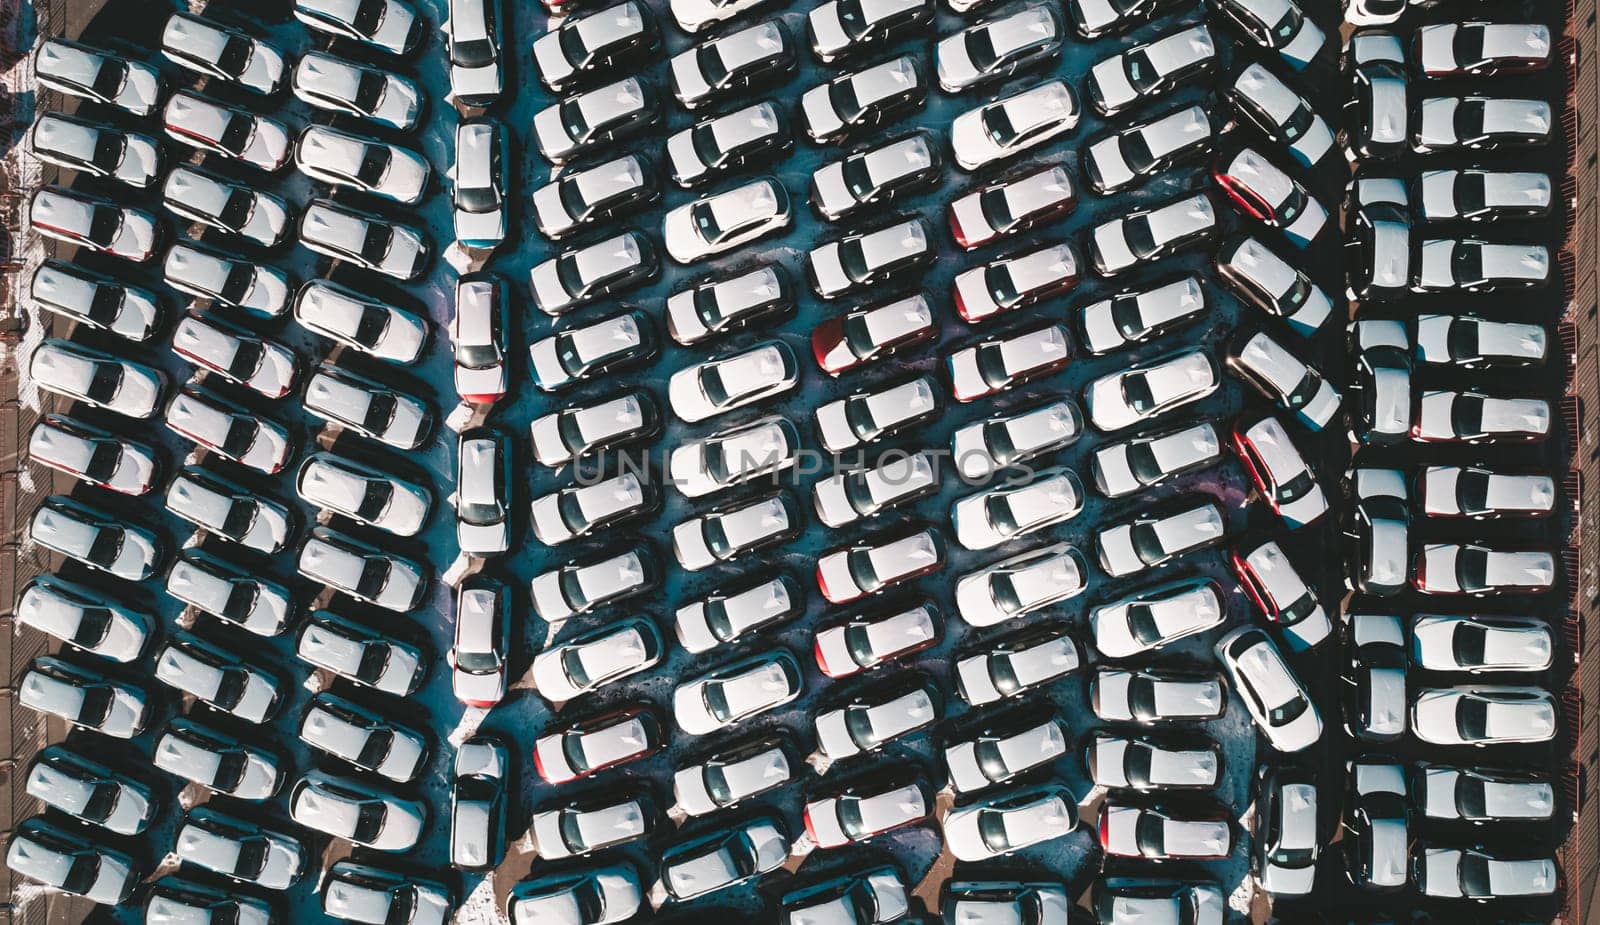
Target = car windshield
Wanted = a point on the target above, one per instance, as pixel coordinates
(105, 548)
(1125, 315)
(1142, 622)
(1468, 45)
(381, 407)
(235, 55)
(1305, 390)
(237, 284)
(246, 359)
(980, 49)
(992, 829)
(1142, 460)
(103, 460)
(1136, 151)
(858, 722)
(1296, 488)
(991, 360)
(717, 537)
(480, 199)
(1150, 834)
(1462, 340)
(93, 623)
(853, 18)
(712, 67)
(1288, 25)
(716, 701)
(1466, 415)
(705, 220)
(571, 275)
(236, 209)
(375, 498)
(998, 126)
(370, 89)
(236, 134)
(997, 278)
(842, 94)
(474, 53)
(1475, 880)
(1470, 193)
(1003, 674)
(1147, 543)
(1136, 391)
(369, 16)
(109, 79)
(995, 207)
(104, 305)
(1469, 118)
(83, 873)
(1472, 492)
(1467, 644)
(853, 257)
(241, 514)
(1141, 72)
(1298, 123)
(375, 160)
(374, 575)
(990, 759)
(1140, 236)
(572, 118)
(1472, 568)
(1466, 262)
(860, 564)
(849, 810)
(375, 244)
(104, 222)
(108, 149)
(105, 382)
(857, 178)
(241, 600)
(370, 325)
(369, 821)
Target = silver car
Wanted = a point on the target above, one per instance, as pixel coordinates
(1157, 833)
(227, 511)
(1141, 462)
(229, 431)
(235, 355)
(84, 698)
(1013, 124)
(479, 183)
(1011, 283)
(1126, 901)
(1276, 25)
(717, 386)
(1474, 123)
(1150, 70)
(341, 485)
(342, 159)
(97, 379)
(1138, 152)
(64, 779)
(67, 861)
(726, 533)
(723, 859)
(360, 322)
(92, 455)
(563, 436)
(368, 408)
(984, 447)
(1285, 832)
(239, 850)
(227, 54)
(361, 571)
(869, 722)
(95, 149)
(1482, 571)
(582, 352)
(1138, 394)
(1287, 380)
(871, 415)
(861, 99)
(1153, 539)
(235, 134)
(479, 336)
(1156, 617)
(1017, 819)
(335, 85)
(218, 678)
(1282, 595)
(198, 753)
(91, 74)
(590, 119)
(253, 286)
(1150, 234)
(1264, 192)
(212, 586)
(352, 733)
(95, 538)
(95, 301)
(97, 225)
(366, 241)
(82, 618)
(390, 26)
(344, 808)
(727, 615)
(361, 655)
(586, 508)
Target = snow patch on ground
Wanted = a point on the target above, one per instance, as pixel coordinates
(479, 906)
(467, 727)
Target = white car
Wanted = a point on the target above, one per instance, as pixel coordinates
(479, 652)
(733, 456)
(722, 859)
(587, 507)
(1148, 763)
(366, 241)
(838, 29)
(83, 698)
(1153, 539)
(1480, 796)
(592, 118)
(361, 654)
(1280, 472)
(1264, 192)
(1020, 584)
(229, 431)
(472, 43)
(391, 26)
(96, 149)
(581, 48)
(1470, 342)
(721, 144)
(1483, 715)
(255, 287)
(1275, 698)
(1485, 494)
(1156, 617)
(860, 99)
(333, 84)
(479, 337)
(871, 721)
(92, 455)
(226, 54)
(875, 564)
(478, 183)
(1283, 116)
(984, 447)
(717, 386)
(1150, 70)
(88, 73)
(699, 15)
(874, 176)
(1467, 416)
(730, 777)
(95, 224)
(584, 197)
(1010, 283)
(998, 515)
(856, 494)
(576, 277)
(735, 693)
(342, 159)
(868, 258)
(55, 859)
(212, 586)
(367, 408)
(1153, 833)
(997, 48)
(563, 436)
(582, 585)
(362, 571)
(219, 679)
(1135, 316)
(596, 658)
(96, 379)
(81, 618)
(236, 134)
(344, 808)
(866, 642)
(999, 753)
(583, 826)
(1013, 124)
(1120, 400)
(729, 532)
(359, 322)
(229, 512)
(1481, 571)
(868, 416)
(341, 729)
(1004, 824)
(194, 752)
(1127, 466)
(95, 301)
(1011, 205)
(1150, 234)
(1021, 663)
(234, 354)
(732, 61)
(728, 615)
(1287, 380)
(1284, 597)
(1481, 643)
(341, 485)
(865, 810)
(722, 221)
(1006, 361)
(230, 207)
(483, 492)
(1468, 873)
(557, 897)
(1131, 155)
(1276, 25)
(1257, 274)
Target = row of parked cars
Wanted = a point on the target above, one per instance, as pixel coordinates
(1474, 228)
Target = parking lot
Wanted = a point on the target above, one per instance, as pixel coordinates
(1318, 551)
